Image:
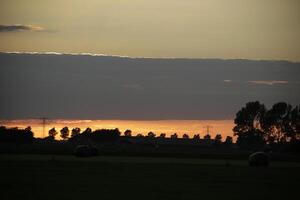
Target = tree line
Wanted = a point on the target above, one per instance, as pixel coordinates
(16, 135)
(257, 126)
(65, 134)
(76, 134)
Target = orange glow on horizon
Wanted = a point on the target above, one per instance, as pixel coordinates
(190, 127)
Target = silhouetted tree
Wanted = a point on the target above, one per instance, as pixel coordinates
(162, 135)
(207, 137)
(151, 134)
(87, 131)
(294, 131)
(28, 129)
(278, 123)
(218, 139)
(228, 140)
(64, 133)
(248, 125)
(139, 135)
(128, 133)
(196, 137)
(185, 136)
(174, 136)
(52, 133)
(75, 132)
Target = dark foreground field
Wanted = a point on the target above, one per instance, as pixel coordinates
(66, 177)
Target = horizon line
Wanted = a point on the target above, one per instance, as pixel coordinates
(78, 119)
(140, 57)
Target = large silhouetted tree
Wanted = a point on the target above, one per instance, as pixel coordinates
(277, 123)
(248, 125)
(294, 131)
(64, 133)
(185, 136)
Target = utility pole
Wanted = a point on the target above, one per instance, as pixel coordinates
(44, 125)
(207, 128)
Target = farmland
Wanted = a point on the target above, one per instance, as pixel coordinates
(112, 177)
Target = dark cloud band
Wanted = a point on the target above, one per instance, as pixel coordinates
(18, 27)
(91, 86)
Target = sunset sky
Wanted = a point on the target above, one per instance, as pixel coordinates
(255, 29)
(149, 99)
(147, 60)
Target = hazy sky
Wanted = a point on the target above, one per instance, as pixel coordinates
(255, 29)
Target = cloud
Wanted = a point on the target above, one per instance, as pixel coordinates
(19, 28)
(62, 54)
(227, 81)
(268, 82)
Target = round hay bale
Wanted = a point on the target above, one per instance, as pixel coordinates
(94, 151)
(259, 159)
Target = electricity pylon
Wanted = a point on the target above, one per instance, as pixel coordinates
(207, 128)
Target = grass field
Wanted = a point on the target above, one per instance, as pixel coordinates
(67, 177)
